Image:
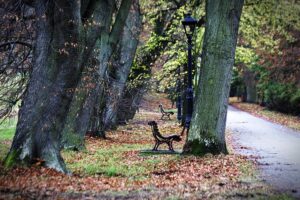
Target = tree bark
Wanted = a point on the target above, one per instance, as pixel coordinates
(42, 113)
(57, 67)
(109, 42)
(79, 114)
(250, 83)
(207, 131)
(138, 83)
(84, 100)
(87, 107)
(121, 63)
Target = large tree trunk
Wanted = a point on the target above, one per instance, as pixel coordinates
(79, 115)
(121, 64)
(184, 102)
(87, 107)
(85, 97)
(250, 83)
(56, 70)
(57, 67)
(207, 131)
(130, 103)
(141, 72)
(109, 42)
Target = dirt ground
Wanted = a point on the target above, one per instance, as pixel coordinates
(116, 169)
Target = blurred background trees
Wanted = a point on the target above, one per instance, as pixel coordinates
(267, 67)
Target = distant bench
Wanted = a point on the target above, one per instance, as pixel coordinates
(164, 113)
(159, 139)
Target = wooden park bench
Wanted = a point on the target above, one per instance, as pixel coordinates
(165, 113)
(159, 139)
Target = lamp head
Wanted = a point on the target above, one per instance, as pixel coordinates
(189, 24)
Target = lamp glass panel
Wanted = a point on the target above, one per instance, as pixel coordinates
(187, 29)
(192, 28)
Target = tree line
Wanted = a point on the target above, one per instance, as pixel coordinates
(81, 54)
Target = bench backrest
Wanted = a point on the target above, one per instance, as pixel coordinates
(161, 108)
(155, 131)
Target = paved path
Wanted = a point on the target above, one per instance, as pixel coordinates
(277, 148)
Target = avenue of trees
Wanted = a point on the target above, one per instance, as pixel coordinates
(78, 67)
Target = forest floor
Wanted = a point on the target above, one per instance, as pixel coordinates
(290, 121)
(115, 168)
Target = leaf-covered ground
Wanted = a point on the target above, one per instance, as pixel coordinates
(115, 169)
(262, 112)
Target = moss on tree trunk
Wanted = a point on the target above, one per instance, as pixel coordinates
(86, 112)
(207, 131)
(122, 61)
(57, 67)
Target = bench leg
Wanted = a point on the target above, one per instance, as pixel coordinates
(170, 146)
(157, 143)
(155, 147)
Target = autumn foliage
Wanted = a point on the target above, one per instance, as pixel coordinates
(120, 167)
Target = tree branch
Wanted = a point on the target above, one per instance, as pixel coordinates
(119, 22)
(16, 42)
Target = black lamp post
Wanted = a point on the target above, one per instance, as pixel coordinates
(189, 24)
(178, 90)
